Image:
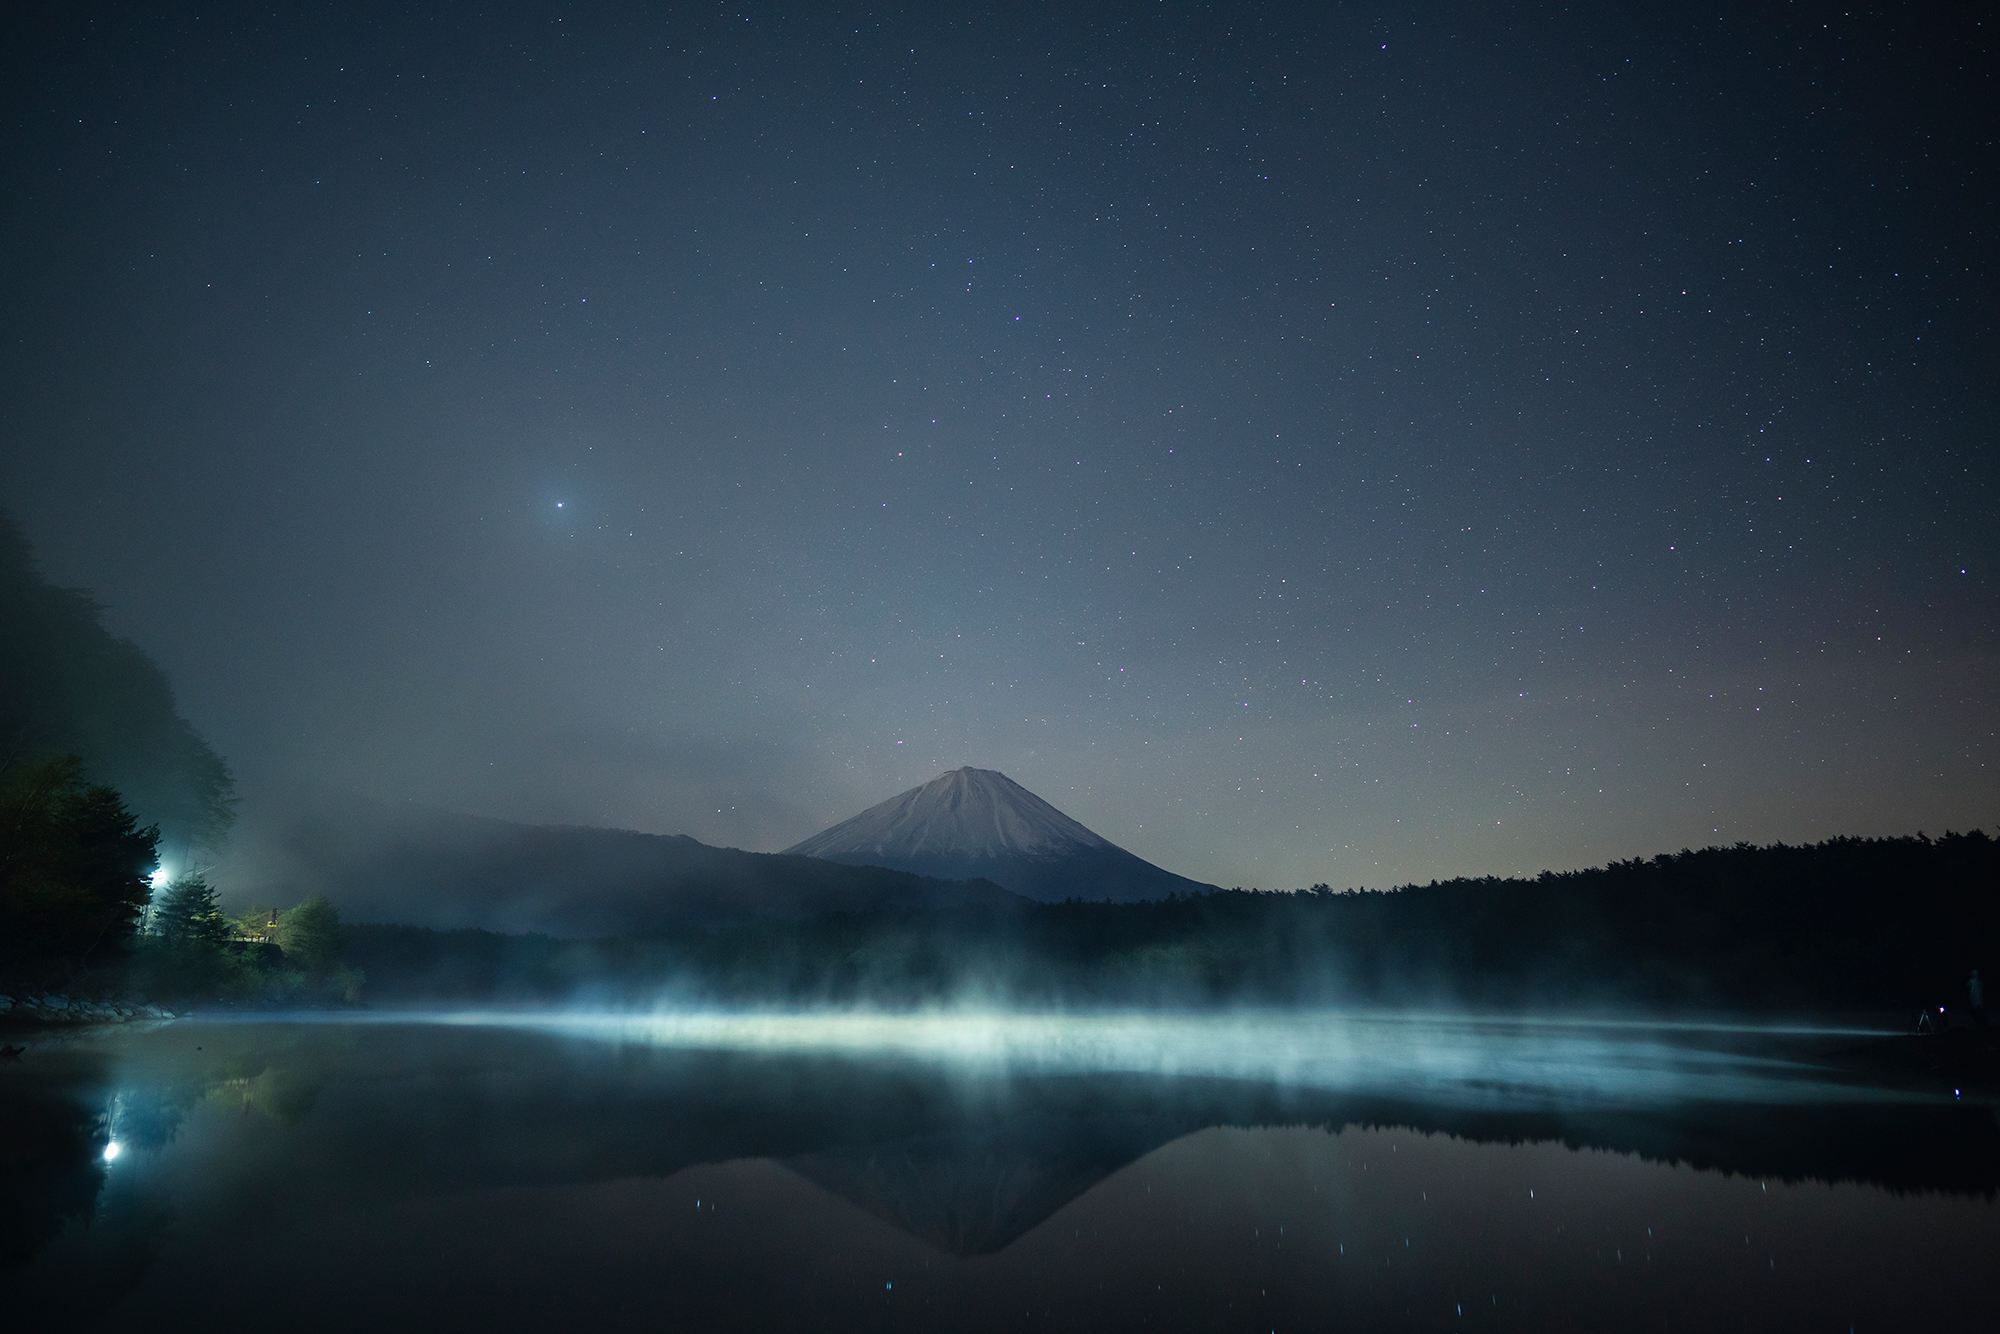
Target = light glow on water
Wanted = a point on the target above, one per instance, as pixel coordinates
(1480, 1061)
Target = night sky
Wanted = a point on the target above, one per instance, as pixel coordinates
(1344, 444)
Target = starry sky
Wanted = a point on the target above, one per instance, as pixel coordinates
(1322, 443)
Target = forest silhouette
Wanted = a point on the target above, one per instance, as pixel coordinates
(1849, 924)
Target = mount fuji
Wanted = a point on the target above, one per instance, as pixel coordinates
(980, 824)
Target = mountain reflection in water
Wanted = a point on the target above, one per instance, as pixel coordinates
(540, 1165)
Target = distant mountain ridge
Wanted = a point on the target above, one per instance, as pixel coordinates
(980, 824)
(402, 863)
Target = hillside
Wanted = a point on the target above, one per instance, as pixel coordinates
(399, 862)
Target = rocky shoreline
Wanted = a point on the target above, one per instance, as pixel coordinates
(55, 1010)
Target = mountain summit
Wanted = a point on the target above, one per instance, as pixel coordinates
(980, 823)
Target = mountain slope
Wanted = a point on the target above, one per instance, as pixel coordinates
(390, 862)
(69, 686)
(981, 824)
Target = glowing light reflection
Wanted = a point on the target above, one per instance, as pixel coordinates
(1480, 1061)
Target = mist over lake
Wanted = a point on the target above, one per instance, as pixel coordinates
(857, 1171)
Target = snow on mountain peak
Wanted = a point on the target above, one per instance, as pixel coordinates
(962, 813)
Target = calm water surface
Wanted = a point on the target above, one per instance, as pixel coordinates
(1260, 1172)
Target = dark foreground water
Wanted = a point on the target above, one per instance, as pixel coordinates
(838, 1172)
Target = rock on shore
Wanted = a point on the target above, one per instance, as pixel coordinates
(52, 1008)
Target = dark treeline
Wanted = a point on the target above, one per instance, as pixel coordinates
(77, 910)
(101, 779)
(74, 866)
(1846, 925)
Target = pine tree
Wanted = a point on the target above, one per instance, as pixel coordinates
(188, 912)
(73, 863)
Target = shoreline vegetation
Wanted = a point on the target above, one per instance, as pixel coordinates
(85, 938)
(1889, 927)
(1884, 926)
(1881, 926)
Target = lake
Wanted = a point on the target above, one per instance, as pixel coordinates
(1255, 1172)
